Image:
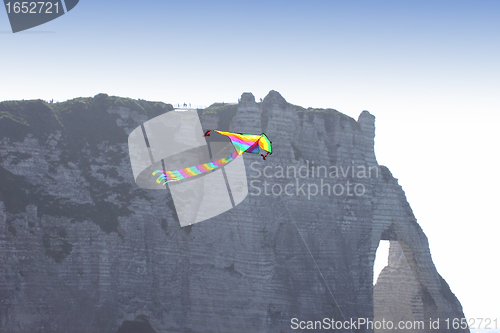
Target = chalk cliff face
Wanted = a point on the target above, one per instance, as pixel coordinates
(85, 250)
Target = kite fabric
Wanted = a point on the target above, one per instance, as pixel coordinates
(243, 143)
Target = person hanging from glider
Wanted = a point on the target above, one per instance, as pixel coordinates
(243, 143)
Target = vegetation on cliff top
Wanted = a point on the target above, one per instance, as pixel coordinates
(85, 126)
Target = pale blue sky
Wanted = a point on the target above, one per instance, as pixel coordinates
(428, 70)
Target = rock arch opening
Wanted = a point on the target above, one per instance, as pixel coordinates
(381, 259)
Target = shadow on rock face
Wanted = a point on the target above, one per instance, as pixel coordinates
(130, 326)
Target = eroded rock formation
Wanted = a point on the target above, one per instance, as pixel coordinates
(85, 250)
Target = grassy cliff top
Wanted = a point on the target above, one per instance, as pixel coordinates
(79, 116)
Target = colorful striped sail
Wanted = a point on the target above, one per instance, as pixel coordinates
(243, 143)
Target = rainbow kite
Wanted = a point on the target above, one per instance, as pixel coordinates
(243, 143)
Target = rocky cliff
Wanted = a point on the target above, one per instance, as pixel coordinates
(84, 249)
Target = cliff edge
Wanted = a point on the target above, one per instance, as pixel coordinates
(85, 250)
